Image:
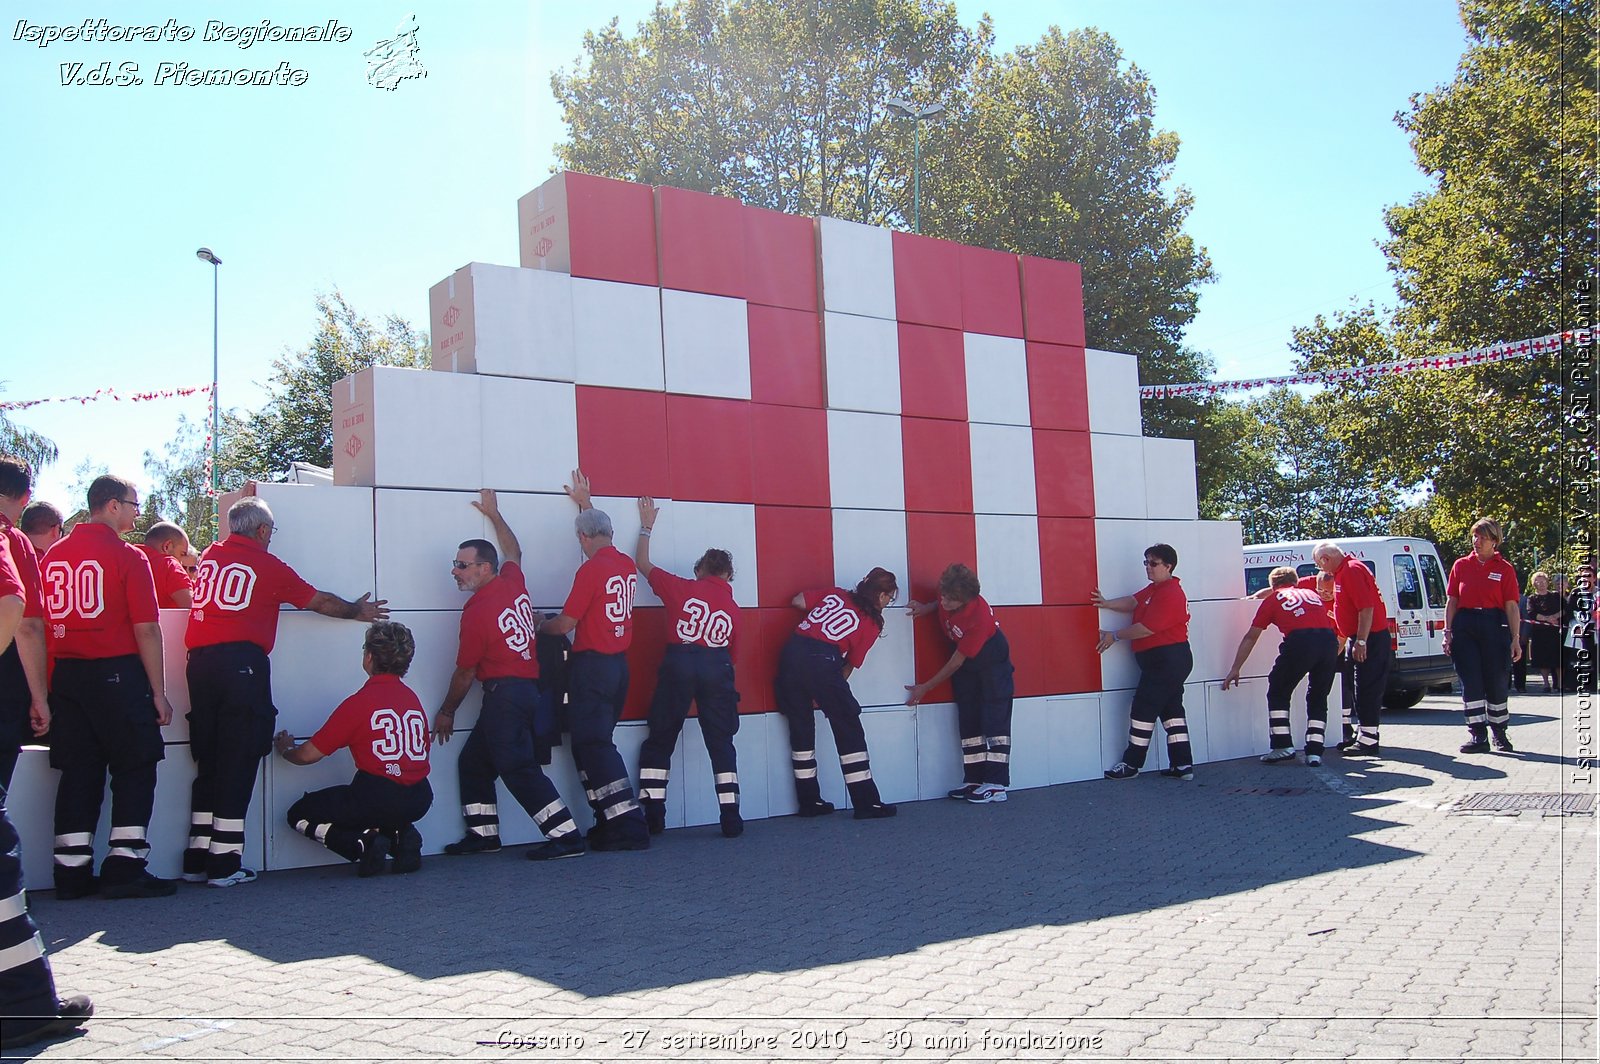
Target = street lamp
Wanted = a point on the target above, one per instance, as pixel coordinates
(207, 255)
(907, 109)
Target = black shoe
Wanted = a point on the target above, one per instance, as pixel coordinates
(407, 850)
(70, 1014)
(1349, 742)
(963, 792)
(1363, 750)
(145, 886)
(1475, 745)
(1121, 771)
(817, 808)
(474, 843)
(555, 849)
(617, 841)
(1182, 772)
(72, 890)
(732, 823)
(1281, 756)
(655, 815)
(876, 811)
(374, 852)
(1502, 741)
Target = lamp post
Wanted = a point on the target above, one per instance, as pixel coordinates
(907, 109)
(207, 255)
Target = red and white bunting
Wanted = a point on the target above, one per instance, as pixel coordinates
(108, 393)
(1478, 356)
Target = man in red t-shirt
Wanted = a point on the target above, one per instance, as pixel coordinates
(41, 523)
(1363, 622)
(24, 684)
(232, 627)
(164, 544)
(703, 622)
(1159, 636)
(1309, 648)
(108, 698)
(386, 730)
(599, 610)
(497, 649)
(27, 986)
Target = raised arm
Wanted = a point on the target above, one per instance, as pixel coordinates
(648, 512)
(489, 506)
(578, 490)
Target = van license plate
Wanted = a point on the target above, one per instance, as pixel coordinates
(1410, 631)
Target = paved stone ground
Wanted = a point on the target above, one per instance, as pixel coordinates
(1356, 917)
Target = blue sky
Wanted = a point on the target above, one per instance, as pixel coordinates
(1285, 112)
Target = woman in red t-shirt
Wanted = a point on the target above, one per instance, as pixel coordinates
(839, 628)
(1481, 622)
(980, 676)
(1160, 638)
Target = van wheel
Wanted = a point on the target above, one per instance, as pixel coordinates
(1402, 698)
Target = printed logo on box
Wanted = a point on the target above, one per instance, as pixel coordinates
(353, 420)
(452, 315)
(542, 248)
(352, 446)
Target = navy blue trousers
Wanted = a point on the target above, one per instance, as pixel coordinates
(1312, 652)
(598, 687)
(503, 746)
(1480, 647)
(984, 687)
(27, 987)
(1159, 696)
(811, 673)
(103, 719)
(704, 676)
(338, 816)
(1368, 680)
(231, 721)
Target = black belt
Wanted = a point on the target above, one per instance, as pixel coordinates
(503, 681)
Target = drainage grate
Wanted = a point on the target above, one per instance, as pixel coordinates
(1269, 792)
(1554, 804)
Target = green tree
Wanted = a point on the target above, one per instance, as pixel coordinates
(183, 482)
(779, 103)
(19, 442)
(1047, 150)
(294, 425)
(1498, 249)
(296, 422)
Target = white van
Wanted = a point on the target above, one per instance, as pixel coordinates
(1411, 579)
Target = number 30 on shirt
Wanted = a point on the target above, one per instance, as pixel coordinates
(619, 600)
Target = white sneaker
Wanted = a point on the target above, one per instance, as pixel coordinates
(243, 875)
(987, 792)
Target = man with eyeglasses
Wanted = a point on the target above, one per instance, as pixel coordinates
(497, 649)
(233, 625)
(108, 699)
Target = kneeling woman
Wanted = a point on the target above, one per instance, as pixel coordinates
(386, 730)
(839, 628)
(980, 675)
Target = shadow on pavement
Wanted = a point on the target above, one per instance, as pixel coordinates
(791, 894)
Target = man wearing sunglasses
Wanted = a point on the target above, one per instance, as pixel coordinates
(497, 649)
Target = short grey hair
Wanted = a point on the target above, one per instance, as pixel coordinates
(594, 523)
(248, 516)
(1326, 546)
